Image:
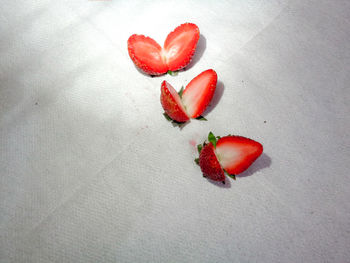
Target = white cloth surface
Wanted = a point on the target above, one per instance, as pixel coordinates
(90, 170)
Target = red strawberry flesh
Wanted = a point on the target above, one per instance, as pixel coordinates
(237, 153)
(180, 45)
(199, 92)
(171, 103)
(210, 165)
(147, 55)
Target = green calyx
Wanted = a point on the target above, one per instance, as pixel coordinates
(174, 123)
(181, 91)
(172, 73)
(199, 148)
(201, 118)
(233, 176)
(212, 139)
(167, 117)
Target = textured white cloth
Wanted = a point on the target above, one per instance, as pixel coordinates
(90, 171)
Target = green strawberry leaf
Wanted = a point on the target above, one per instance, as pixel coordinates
(181, 91)
(201, 118)
(233, 176)
(196, 161)
(177, 123)
(199, 148)
(167, 117)
(212, 139)
(172, 73)
(174, 122)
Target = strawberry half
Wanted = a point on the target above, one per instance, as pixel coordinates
(209, 164)
(237, 153)
(199, 92)
(146, 54)
(179, 48)
(193, 100)
(172, 104)
(231, 154)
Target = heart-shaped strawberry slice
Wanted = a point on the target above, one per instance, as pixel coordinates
(179, 47)
(193, 100)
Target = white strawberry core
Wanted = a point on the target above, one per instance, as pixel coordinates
(173, 51)
(227, 155)
(164, 55)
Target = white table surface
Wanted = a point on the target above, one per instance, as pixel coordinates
(90, 171)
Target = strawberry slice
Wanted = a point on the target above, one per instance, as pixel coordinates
(209, 164)
(172, 104)
(230, 154)
(147, 55)
(179, 47)
(237, 153)
(195, 98)
(199, 92)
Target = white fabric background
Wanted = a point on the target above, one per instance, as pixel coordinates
(90, 171)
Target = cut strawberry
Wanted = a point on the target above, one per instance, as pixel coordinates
(209, 164)
(172, 104)
(146, 54)
(232, 154)
(179, 47)
(199, 92)
(195, 98)
(237, 153)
